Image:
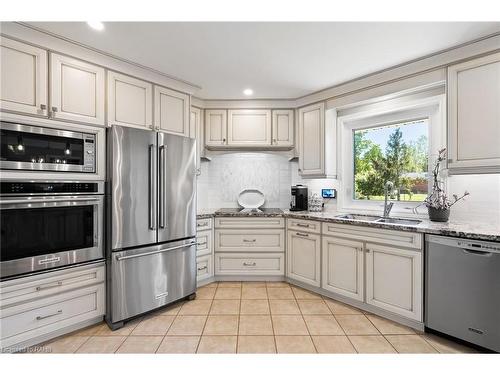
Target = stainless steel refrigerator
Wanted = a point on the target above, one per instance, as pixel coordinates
(151, 221)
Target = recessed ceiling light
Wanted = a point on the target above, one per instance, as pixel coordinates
(248, 92)
(96, 25)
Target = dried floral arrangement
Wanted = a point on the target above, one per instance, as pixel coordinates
(438, 199)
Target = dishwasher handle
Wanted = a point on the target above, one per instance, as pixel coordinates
(477, 252)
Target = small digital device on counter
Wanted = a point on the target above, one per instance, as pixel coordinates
(299, 198)
(329, 193)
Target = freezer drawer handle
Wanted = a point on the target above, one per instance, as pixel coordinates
(158, 296)
(154, 252)
(475, 330)
(58, 312)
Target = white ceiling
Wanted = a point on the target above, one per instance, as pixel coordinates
(276, 60)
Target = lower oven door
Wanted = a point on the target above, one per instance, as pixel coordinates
(40, 233)
(150, 277)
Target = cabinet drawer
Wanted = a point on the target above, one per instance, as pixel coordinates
(304, 225)
(204, 243)
(250, 240)
(22, 322)
(384, 236)
(203, 224)
(249, 222)
(43, 285)
(250, 264)
(204, 267)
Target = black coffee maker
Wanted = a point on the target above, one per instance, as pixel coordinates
(299, 198)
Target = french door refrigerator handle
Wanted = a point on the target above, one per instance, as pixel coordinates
(162, 176)
(151, 199)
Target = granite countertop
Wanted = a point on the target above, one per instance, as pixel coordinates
(477, 231)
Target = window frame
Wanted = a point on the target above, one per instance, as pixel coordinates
(394, 111)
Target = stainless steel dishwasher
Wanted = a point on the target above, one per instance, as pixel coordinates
(463, 289)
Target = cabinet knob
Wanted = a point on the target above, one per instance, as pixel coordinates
(43, 107)
(223, 140)
(274, 140)
(54, 109)
(367, 250)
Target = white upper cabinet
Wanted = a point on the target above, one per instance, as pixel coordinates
(76, 90)
(282, 128)
(172, 113)
(303, 257)
(474, 116)
(23, 78)
(196, 132)
(394, 280)
(130, 101)
(342, 267)
(215, 127)
(316, 142)
(249, 128)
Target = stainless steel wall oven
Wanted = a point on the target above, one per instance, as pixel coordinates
(46, 225)
(34, 148)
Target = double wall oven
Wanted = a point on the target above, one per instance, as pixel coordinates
(48, 224)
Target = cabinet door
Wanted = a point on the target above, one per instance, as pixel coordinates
(474, 114)
(130, 101)
(171, 111)
(215, 127)
(282, 128)
(394, 280)
(249, 128)
(303, 254)
(76, 90)
(312, 140)
(342, 267)
(23, 78)
(196, 132)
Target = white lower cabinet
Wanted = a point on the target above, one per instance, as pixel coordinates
(204, 251)
(39, 307)
(343, 267)
(394, 280)
(303, 254)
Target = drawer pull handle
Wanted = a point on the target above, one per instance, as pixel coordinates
(158, 296)
(48, 286)
(302, 225)
(202, 225)
(201, 243)
(48, 316)
(245, 240)
(302, 234)
(202, 268)
(253, 264)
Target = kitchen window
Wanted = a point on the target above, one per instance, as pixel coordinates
(391, 152)
(393, 141)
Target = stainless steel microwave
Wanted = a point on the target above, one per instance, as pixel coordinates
(34, 148)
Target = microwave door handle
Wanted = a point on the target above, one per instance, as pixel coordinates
(151, 187)
(162, 200)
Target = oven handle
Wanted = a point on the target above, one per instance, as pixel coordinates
(48, 200)
(155, 252)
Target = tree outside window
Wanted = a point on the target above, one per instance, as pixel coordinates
(397, 153)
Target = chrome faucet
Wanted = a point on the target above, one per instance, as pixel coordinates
(388, 187)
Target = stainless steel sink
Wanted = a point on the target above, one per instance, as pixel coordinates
(378, 219)
(394, 220)
(358, 217)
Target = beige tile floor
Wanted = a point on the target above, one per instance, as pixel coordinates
(255, 317)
